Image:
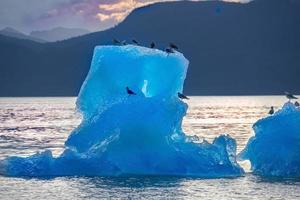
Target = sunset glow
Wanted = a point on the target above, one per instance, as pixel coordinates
(93, 15)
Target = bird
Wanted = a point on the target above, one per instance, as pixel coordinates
(152, 45)
(116, 41)
(173, 46)
(124, 42)
(297, 104)
(182, 96)
(129, 91)
(290, 96)
(135, 42)
(168, 50)
(271, 112)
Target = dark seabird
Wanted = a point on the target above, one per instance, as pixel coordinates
(173, 46)
(271, 112)
(135, 42)
(116, 41)
(290, 96)
(182, 96)
(168, 50)
(297, 104)
(129, 91)
(152, 45)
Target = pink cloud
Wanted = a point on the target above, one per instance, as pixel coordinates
(97, 13)
(102, 10)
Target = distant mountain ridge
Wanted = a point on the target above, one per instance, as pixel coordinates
(59, 33)
(233, 49)
(52, 35)
(11, 32)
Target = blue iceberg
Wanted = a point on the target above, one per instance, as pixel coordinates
(275, 148)
(123, 134)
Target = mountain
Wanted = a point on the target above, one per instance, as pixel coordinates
(58, 34)
(234, 49)
(10, 32)
(53, 35)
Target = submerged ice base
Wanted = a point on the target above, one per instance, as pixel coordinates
(275, 148)
(132, 135)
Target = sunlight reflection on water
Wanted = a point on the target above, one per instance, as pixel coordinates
(28, 125)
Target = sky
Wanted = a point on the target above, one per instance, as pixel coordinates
(93, 15)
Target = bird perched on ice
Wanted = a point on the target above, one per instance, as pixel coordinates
(290, 96)
(297, 104)
(135, 42)
(173, 46)
(182, 96)
(116, 41)
(129, 91)
(271, 112)
(168, 50)
(152, 45)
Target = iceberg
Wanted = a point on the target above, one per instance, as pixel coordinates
(140, 134)
(275, 148)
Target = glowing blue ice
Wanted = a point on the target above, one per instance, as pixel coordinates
(132, 135)
(275, 148)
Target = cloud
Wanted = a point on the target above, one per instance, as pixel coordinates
(120, 6)
(118, 10)
(103, 17)
(91, 10)
(90, 14)
(113, 16)
(113, 11)
(16, 13)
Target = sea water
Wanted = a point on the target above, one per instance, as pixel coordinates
(28, 125)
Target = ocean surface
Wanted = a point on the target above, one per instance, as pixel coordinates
(28, 125)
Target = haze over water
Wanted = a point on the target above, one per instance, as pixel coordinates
(28, 125)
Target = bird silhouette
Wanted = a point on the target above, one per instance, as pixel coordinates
(290, 96)
(297, 104)
(168, 50)
(129, 91)
(182, 96)
(135, 42)
(173, 46)
(271, 112)
(152, 45)
(116, 41)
